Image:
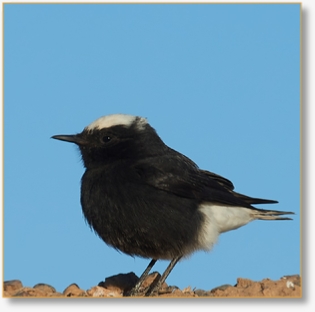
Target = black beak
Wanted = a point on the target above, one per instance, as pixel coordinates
(70, 138)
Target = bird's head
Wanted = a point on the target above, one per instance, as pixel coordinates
(115, 137)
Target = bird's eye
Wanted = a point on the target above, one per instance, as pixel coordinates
(106, 139)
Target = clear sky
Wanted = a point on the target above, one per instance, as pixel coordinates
(219, 83)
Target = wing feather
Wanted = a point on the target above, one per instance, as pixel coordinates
(178, 175)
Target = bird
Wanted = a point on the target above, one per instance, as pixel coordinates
(145, 199)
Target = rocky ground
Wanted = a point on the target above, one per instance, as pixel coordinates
(117, 286)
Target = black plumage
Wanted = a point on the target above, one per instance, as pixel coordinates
(145, 199)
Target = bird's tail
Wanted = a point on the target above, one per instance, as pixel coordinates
(261, 214)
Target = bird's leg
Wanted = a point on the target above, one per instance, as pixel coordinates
(155, 286)
(134, 291)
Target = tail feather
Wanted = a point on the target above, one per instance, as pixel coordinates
(260, 214)
(254, 201)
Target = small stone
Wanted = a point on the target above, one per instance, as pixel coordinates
(290, 284)
(12, 286)
(187, 290)
(168, 290)
(200, 292)
(74, 290)
(98, 292)
(6, 294)
(55, 294)
(120, 283)
(45, 287)
(151, 278)
(244, 282)
(29, 292)
(208, 294)
(295, 279)
(248, 288)
(222, 287)
(177, 292)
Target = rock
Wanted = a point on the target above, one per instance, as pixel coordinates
(45, 287)
(295, 279)
(187, 290)
(204, 293)
(169, 290)
(120, 283)
(98, 291)
(73, 290)
(249, 288)
(6, 294)
(150, 281)
(222, 287)
(151, 278)
(29, 292)
(200, 293)
(10, 287)
(177, 293)
(54, 295)
(116, 286)
(285, 287)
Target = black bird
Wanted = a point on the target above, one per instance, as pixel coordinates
(146, 199)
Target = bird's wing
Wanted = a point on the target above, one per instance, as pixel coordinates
(228, 184)
(180, 176)
(223, 181)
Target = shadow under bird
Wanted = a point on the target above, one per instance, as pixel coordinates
(148, 200)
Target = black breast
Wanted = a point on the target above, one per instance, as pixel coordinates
(137, 218)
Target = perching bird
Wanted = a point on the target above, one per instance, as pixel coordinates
(146, 199)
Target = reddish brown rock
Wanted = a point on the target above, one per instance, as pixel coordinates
(295, 279)
(115, 286)
(203, 293)
(151, 278)
(177, 293)
(45, 287)
(98, 291)
(74, 290)
(29, 292)
(11, 287)
(120, 283)
(285, 287)
(48, 290)
(188, 290)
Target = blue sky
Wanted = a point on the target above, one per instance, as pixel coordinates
(219, 83)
